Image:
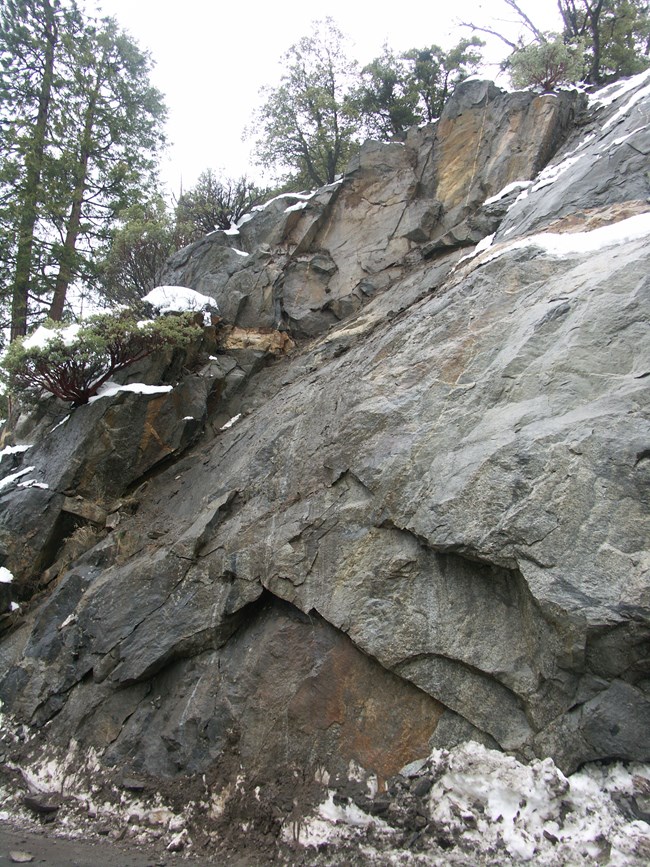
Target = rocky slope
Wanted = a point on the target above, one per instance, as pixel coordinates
(428, 522)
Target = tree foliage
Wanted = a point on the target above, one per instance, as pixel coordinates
(216, 203)
(81, 129)
(547, 64)
(435, 73)
(313, 122)
(308, 125)
(398, 91)
(386, 97)
(616, 34)
(147, 235)
(73, 364)
(612, 35)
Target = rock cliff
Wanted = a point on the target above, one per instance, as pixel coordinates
(397, 499)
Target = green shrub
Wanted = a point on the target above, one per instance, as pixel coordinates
(73, 364)
(547, 64)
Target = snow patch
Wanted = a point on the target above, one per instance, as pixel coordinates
(5, 575)
(608, 95)
(32, 483)
(567, 243)
(624, 109)
(239, 252)
(110, 389)
(231, 422)
(299, 206)
(8, 480)
(303, 197)
(483, 244)
(552, 173)
(62, 422)
(624, 138)
(333, 823)
(509, 188)
(13, 450)
(178, 299)
(42, 336)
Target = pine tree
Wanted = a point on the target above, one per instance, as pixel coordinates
(81, 127)
(110, 155)
(30, 41)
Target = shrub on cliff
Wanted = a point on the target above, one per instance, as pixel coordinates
(73, 362)
(547, 64)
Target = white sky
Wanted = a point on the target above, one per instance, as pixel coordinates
(212, 58)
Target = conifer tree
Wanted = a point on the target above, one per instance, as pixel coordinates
(81, 126)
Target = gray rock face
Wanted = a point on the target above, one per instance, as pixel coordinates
(316, 259)
(430, 521)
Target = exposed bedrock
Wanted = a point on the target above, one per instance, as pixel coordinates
(425, 522)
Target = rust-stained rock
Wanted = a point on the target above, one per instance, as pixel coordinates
(231, 337)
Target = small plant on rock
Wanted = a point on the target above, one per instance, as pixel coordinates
(73, 362)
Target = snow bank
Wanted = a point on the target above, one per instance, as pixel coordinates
(533, 810)
(492, 810)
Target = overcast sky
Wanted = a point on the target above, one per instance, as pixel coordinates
(212, 58)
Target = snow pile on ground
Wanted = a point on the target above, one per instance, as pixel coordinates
(533, 811)
(472, 805)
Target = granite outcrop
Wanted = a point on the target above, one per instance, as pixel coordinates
(398, 499)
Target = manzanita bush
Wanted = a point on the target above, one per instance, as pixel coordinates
(73, 365)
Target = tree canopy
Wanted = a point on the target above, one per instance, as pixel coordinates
(81, 130)
(73, 363)
(314, 120)
(612, 37)
(398, 91)
(309, 123)
(216, 202)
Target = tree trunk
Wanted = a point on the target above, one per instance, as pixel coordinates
(34, 166)
(66, 271)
